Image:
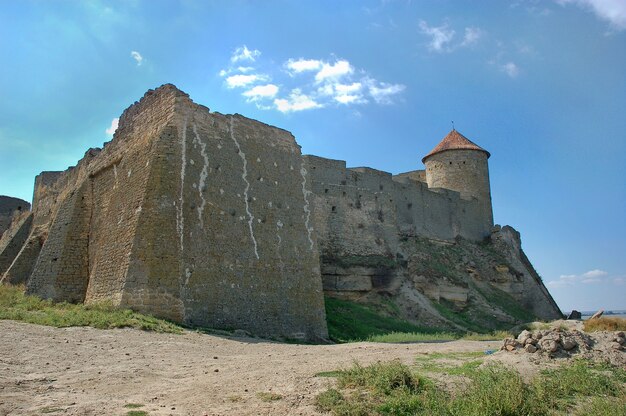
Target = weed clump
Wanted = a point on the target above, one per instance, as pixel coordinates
(15, 305)
(605, 323)
(392, 388)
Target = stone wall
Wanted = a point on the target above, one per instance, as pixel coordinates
(9, 206)
(13, 239)
(189, 215)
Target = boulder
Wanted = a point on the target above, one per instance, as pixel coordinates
(510, 344)
(530, 341)
(530, 348)
(575, 315)
(568, 343)
(548, 345)
(523, 336)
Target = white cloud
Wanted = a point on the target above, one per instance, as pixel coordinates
(242, 53)
(440, 37)
(240, 80)
(347, 89)
(319, 83)
(137, 57)
(382, 92)
(296, 102)
(612, 11)
(594, 274)
(510, 68)
(114, 124)
(349, 93)
(334, 71)
(472, 36)
(301, 65)
(261, 92)
(590, 277)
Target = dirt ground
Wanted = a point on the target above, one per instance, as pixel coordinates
(86, 371)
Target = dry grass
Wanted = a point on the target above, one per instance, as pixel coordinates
(605, 323)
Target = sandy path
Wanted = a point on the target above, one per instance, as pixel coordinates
(85, 371)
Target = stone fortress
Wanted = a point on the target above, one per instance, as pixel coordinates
(220, 221)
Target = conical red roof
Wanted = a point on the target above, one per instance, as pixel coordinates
(453, 141)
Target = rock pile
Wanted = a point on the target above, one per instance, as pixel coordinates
(559, 343)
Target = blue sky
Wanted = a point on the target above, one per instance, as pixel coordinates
(540, 84)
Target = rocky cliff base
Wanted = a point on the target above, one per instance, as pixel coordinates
(458, 285)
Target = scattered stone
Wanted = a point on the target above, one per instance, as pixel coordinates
(575, 315)
(548, 345)
(616, 346)
(510, 344)
(531, 341)
(523, 336)
(530, 348)
(568, 343)
(620, 340)
(597, 314)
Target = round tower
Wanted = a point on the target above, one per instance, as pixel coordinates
(458, 164)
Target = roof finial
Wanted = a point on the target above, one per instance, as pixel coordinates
(453, 129)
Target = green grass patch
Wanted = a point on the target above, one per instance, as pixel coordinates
(265, 396)
(32, 309)
(137, 413)
(414, 337)
(507, 303)
(565, 387)
(349, 321)
(492, 336)
(392, 388)
(133, 405)
(445, 309)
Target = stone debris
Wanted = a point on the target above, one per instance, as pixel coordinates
(566, 344)
(597, 314)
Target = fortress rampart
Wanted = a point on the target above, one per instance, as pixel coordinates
(218, 220)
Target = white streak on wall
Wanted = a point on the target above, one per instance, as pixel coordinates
(203, 174)
(307, 211)
(281, 264)
(244, 176)
(115, 174)
(180, 220)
